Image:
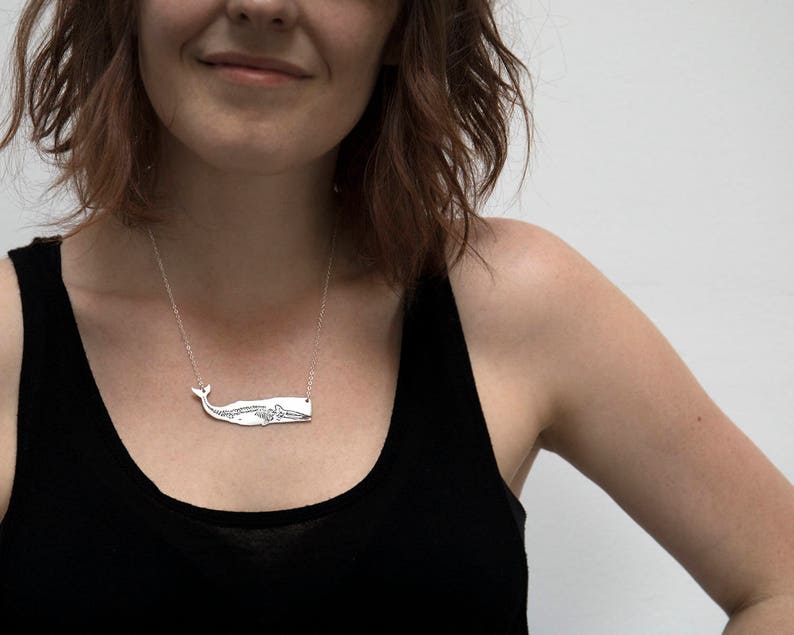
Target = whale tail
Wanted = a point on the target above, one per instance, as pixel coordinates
(201, 393)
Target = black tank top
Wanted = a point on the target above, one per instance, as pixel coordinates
(431, 540)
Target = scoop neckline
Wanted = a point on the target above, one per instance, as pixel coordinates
(145, 485)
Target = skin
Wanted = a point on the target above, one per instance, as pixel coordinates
(561, 357)
(247, 171)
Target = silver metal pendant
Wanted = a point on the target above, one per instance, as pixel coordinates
(260, 412)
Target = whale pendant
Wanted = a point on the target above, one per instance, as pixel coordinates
(260, 412)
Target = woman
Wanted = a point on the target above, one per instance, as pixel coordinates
(247, 201)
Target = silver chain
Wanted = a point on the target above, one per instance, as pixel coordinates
(319, 319)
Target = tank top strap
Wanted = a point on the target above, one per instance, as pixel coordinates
(47, 403)
(443, 384)
(45, 319)
(37, 268)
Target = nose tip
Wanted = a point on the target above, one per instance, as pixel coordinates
(278, 14)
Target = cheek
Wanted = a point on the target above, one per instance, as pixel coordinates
(352, 68)
(343, 104)
(164, 26)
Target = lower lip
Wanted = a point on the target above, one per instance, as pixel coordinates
(251, 76)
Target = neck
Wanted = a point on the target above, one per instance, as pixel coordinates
(241, 237)
(225, 271)
(232, 242)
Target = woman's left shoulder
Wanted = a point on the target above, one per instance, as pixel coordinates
(519, 253)
(540, 308)
(532, 277)
(509, 308)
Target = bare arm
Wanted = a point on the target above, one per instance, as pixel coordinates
(632, 418)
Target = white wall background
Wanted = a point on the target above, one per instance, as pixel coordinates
(664, 155)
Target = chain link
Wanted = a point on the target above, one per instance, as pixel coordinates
(185, 340)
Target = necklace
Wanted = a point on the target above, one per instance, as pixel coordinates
(259, 411)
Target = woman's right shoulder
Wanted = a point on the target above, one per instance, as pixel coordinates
(11, 339)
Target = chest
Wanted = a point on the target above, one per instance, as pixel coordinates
(144, 376)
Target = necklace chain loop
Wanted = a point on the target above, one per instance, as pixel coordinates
(189, 349)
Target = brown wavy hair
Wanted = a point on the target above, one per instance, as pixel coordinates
(426, 152)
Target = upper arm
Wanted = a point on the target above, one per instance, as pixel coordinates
(10, 365)
(630, 416)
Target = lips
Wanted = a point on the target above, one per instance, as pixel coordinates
(234, 58)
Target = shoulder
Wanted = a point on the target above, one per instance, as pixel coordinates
(10, 366)
(534, 278)
(530, 267)
(518, 309)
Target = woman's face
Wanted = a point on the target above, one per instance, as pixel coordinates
(265, 130)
